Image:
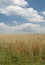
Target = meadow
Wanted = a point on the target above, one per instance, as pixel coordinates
(22, 49)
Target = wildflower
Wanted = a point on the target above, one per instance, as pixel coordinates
(20, 50)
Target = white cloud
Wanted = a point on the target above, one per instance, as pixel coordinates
(28, 13)
(12, 10)
(15, 22)
(20, 2)
(5, 3)
(43, 12)
(18, 7)
(12, 7)
(13, 29)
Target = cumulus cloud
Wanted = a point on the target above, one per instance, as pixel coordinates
(18, 7)
(15, 22)
(5, 3)
(43, 12)
(13, 29)
(28, 13)
(12, 7)
(22, 3)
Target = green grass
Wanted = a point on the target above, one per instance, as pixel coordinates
(22, 49)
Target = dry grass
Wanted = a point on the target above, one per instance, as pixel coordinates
(22, 49)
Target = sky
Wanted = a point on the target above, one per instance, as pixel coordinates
(22, 16)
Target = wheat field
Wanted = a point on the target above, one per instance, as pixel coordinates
(22, 49)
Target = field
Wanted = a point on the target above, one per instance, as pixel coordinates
(25, 49)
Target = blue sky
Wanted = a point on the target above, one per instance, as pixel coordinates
(22, 16)
(37, 4)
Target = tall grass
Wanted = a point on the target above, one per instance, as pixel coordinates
(22, 49)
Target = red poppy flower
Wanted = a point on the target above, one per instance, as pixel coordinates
(20, 50)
